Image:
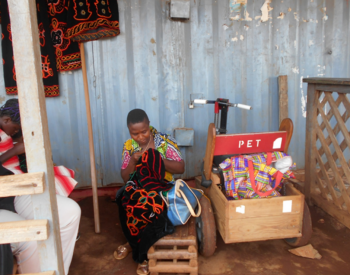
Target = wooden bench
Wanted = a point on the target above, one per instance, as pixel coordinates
(176, 253)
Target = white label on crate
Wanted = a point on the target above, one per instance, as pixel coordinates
(287, 206)
(240, 209)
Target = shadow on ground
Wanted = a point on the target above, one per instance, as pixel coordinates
(93, 254)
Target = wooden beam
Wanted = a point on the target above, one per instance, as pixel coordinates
(27, 56)
(24, 231)
(283, 97)
(327, 81)
(91, 142)
(42, 273)
(24, 184)
(310, 141)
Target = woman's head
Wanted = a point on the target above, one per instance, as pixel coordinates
(10, 119)
(138, 124)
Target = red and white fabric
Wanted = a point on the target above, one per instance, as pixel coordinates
(64, 177)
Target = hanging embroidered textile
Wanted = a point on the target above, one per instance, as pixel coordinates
(67, 52)
(92, 19)
(49, 72)
(58, 53)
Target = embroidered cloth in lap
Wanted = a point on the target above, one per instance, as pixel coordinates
(142, 212)
(64, 177)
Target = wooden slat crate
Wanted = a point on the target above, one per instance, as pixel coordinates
(176, 253)
(327, 171)
(262, 219)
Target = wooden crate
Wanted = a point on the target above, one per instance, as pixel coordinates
(263, 219)
(176, 253)
(327, 171)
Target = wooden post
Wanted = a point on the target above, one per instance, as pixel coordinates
(91, 141)
(283, 97)
(27, 56)
(310, 141)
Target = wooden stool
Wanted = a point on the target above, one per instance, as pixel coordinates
(176, 253)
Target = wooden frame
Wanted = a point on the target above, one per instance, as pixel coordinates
(256, 219)
(27, 57)
(327, 173)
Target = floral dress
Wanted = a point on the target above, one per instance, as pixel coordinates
(163, 143)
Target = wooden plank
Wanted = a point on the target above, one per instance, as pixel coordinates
(27, 57)
(171, 267)
(23, 231)
(341, 215)
(91, 142)
(179, 242)
(265, 207)
(283, 97)
(333, 88)
(218, 202)
(172, 254)
(42, 273)
(209, 151)
(264, 228)
(330, 81)
(24, 184)
(287, 126)
(292, 191)
(310, 140)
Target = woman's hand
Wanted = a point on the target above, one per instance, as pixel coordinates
(19, 148)
(135, 157)
(131, 166)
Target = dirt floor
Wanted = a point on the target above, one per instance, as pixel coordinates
(94, 252)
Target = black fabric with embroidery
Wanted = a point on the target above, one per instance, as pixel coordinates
(49, 71)
(67, 52)
(92, 19)
(142, 212)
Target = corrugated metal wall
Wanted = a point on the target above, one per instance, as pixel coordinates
(157, 64)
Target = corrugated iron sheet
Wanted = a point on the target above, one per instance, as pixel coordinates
(224, 50)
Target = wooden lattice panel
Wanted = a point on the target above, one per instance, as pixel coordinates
(327, 147)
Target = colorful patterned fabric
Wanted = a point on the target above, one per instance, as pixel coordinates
(164, 144)
(237, 180)
(92, 19)
(64, 177)
(142, 212)
(49, 72)
(141, 199)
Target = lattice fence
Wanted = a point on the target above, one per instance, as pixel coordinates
(327, 146)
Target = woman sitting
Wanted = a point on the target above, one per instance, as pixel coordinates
(149, 161)
(21, 208)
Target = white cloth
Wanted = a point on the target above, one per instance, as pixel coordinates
(26, 253)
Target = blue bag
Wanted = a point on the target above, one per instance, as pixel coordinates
(181, 201)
